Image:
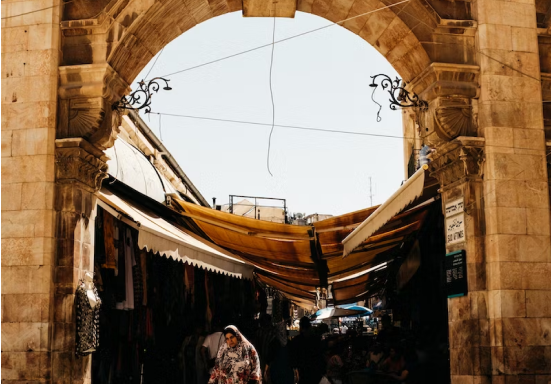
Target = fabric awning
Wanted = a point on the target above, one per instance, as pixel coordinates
(296, 259)
(404, 196)
(159, 236)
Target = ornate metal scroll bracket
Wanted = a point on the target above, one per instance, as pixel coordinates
(400, 97)
(141, 98)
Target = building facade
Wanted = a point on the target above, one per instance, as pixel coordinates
(484, 67)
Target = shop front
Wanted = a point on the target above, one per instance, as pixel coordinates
(158, 285)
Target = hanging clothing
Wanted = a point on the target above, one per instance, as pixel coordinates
(87, 321)
(120, 275)
(99, 241)
(208, 314)
(143, 264)
(237, 365)
(109, 238)
(129, 263)
(137, 278)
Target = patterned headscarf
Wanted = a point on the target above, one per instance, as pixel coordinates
(236, 365)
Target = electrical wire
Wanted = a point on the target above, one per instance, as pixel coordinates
(283, 40)
(155, 62)
(282, 126)
(272, 98)
(37, 10)
(482, 53)
(297, 127)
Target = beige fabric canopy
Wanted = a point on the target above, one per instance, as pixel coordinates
(404, 196)
(297, 259)
(159, 236)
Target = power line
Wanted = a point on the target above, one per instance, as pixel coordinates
(281, 126)
(282, 40)
(273, 105)
(298, 127)
(155, 62)
(482, 53)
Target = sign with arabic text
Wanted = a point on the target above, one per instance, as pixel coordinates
(455, 266)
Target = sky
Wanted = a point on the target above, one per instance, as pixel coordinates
(319, 80)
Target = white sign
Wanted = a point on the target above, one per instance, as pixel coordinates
(454, 207)
(455, 228)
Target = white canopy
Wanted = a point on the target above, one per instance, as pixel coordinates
(404, 196)
(159, 236)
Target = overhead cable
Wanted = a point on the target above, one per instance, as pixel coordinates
(283, 40)
(272, 98)
(482, 53)
(282, 126)
(155, 62)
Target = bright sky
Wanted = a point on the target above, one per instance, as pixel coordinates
(320, 80)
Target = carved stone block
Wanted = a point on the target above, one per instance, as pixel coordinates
(449, 117)
(87, 93)
(459, 159)
(77, 161)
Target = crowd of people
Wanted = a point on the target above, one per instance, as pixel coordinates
(314, 356)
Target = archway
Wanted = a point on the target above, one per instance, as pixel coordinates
(481, 64)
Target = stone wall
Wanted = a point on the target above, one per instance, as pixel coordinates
(516, 199)
(30, 59)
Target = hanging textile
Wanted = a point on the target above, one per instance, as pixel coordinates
(109, 236)
(209, 311)
(137, 278)
(129, 263)
(143, 263)
(87, 320)
(190, 275)
(120, 286)
(99, 241)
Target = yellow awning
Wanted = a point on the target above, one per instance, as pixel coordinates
(159, 236)
(403, 197)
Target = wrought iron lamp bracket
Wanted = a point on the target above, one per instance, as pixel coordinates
(141, 97)
(400, 97)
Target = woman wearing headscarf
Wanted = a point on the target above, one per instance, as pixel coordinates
(237, 361)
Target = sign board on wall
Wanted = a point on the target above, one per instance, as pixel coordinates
(455, 266)
(455, 222)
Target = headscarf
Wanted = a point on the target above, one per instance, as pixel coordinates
(236, 365)
(334, 366)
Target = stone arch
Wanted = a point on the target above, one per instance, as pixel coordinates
(138, 31)
(65, 87)
(107, 49)
(149, 29)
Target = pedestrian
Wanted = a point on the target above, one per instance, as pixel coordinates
(307, 355)
(237, 361)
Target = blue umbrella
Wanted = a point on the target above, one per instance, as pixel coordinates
(330, 312)
(363, 310)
